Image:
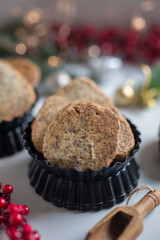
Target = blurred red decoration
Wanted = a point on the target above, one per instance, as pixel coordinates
(128, 44)
(151, 44)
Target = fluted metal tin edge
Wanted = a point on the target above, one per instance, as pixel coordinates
(84, 195)
(11, 141)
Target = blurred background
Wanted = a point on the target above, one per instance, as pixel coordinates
(99, 12)
(102, 39)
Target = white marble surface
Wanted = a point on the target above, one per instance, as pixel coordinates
(60, 224)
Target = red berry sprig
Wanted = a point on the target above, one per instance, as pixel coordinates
(12, 216)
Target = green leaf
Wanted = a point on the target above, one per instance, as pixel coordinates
(155, 80)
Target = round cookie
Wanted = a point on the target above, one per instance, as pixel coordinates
(126, 137)
(85, 89)
(27, 68)
(16, 95)
(50, 108)
(83, 135)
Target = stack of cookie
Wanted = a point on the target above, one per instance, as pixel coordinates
(17, 97)
(82, 149)
(80, 128)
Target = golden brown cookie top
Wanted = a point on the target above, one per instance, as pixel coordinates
(85, 89)
(50, 108)
(17, 96)
(83, 135)
(27, 68)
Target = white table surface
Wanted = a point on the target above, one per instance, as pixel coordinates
(60, 224)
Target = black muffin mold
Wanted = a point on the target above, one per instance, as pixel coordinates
(89, 190)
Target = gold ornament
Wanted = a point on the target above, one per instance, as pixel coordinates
(145, 97)
(125, 96)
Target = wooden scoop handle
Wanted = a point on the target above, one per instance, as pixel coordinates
(150, 201)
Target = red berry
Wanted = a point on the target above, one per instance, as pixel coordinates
(2, 202)
(15, 219)
(25, 210)
(12, 208)
(11, 215)
(20, 208)
(8, 231)
(33, 236)
(1, 219)
(27, 231)
(36, 235)
(13, 233)
(7, 189)
(27, 228)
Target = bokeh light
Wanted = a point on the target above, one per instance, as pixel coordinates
(21, 48)
(94, 51)
(54, 61)
(138, 23)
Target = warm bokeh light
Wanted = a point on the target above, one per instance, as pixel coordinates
(21, 48)
(66, 6)
(147, 6)
(94, 51)
(138, 23)
(54, 61)
(33, 16)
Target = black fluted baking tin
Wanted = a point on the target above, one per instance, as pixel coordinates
(87, 190)
(6, 126)
(11, 141)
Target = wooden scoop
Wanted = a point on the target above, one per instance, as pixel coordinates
(125, 223)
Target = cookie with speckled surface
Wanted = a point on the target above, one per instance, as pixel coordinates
(83, 135)
(85, 89)
(17, 95)
(50, 108)
(27, 68)
(126, 137)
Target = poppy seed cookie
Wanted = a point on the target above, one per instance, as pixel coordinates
(83, 135)
(50, 108)
(16, 95)
(126, 138)
(85, 89)
(27, 68)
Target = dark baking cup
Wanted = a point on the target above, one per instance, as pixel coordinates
(87, 190)
(11, 141)
(6, 126)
